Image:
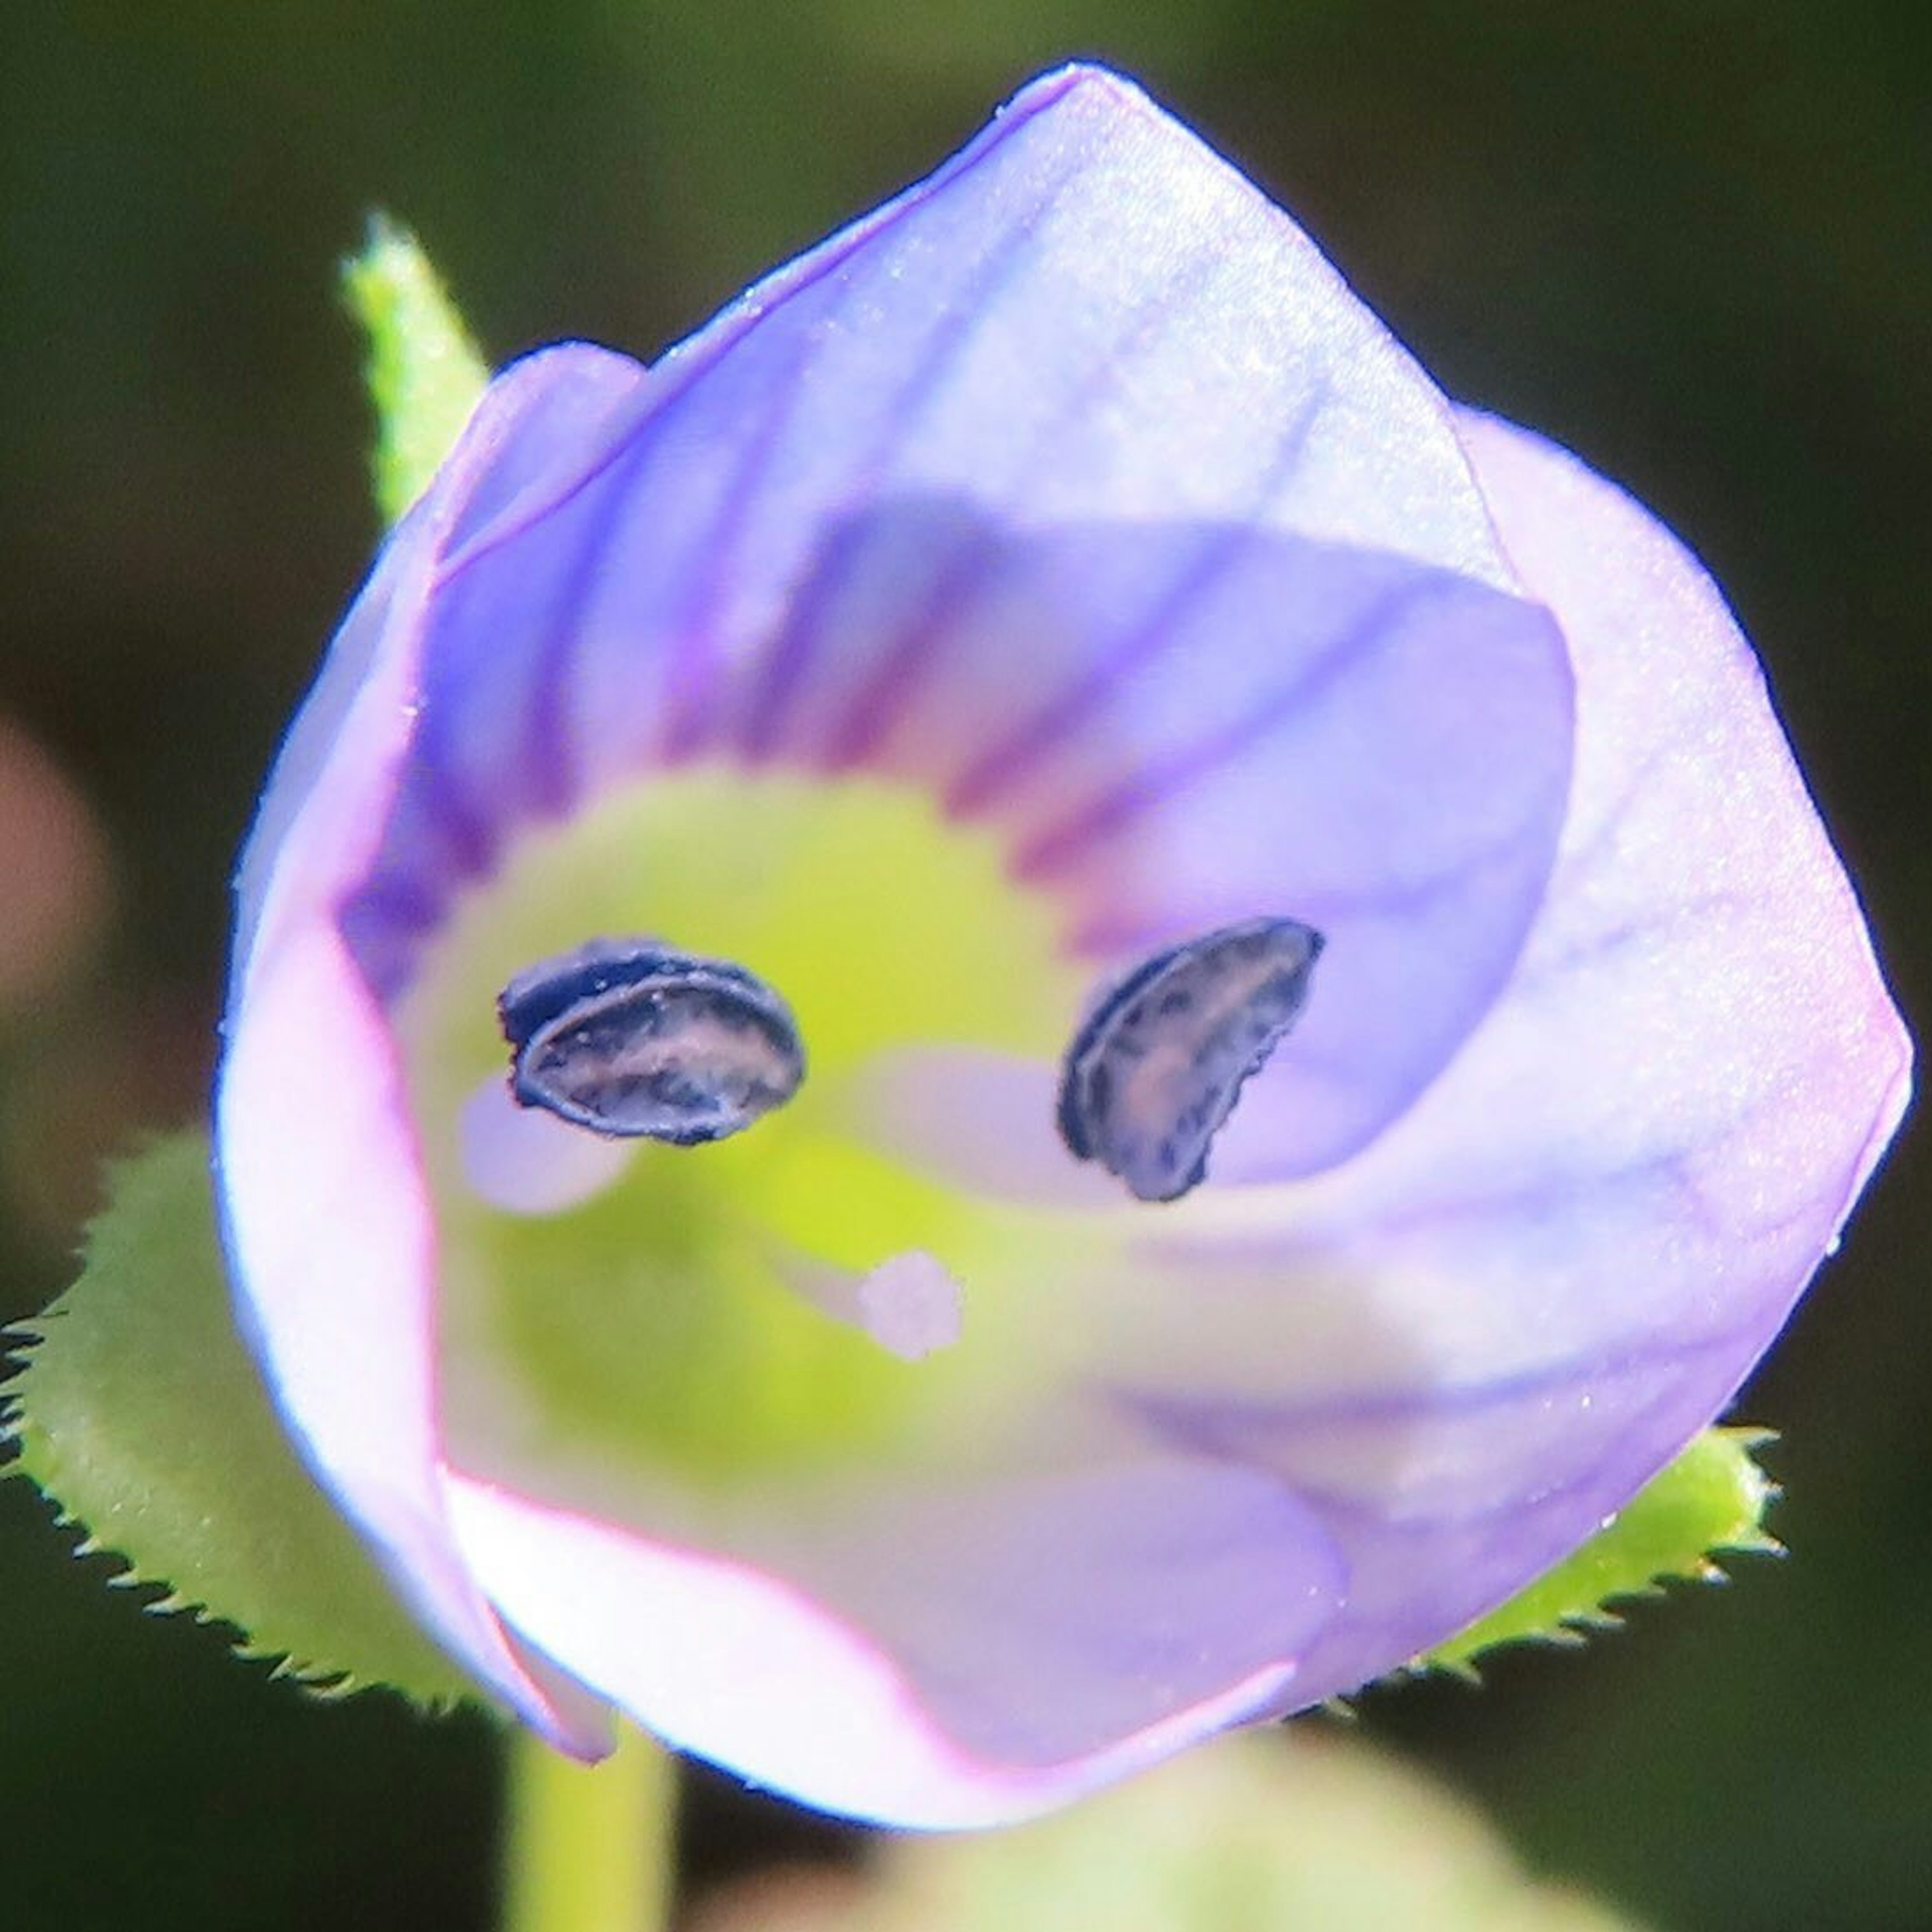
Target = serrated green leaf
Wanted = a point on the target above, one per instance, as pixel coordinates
(1712, 1498)
(424, 370)
(140, 1415)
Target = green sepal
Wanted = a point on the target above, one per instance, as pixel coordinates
(424, 370)
(140, 1415)
(1712, 1499)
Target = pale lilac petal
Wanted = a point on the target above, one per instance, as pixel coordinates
(1074, 488)
(913, 509)
(955, 1659)
(775, 547)
(1561, 1262)
(1378, 749)
(327, 1219)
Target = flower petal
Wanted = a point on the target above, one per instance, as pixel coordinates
(1565, 1257)
(913, 509)
(327, 1222)
(962, 1657)
(1215, 724)
(920, 506)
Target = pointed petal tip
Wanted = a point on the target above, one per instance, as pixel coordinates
(1098, 84)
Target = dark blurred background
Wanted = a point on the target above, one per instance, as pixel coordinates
(1693, 240)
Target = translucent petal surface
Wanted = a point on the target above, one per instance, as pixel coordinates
(326, 1223)
(964, 1666)
(917, 508)
(1074, 491)
(1564, 1260)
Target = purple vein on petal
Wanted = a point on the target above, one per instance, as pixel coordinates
(783, 674)
(549, 755)
(1008, 762)
(687, 642)
(1647, 929)
(1062, 843)
(1337, 1508)
(812, 612)
(1555, 1191)
(889, 688)
(692, 696)
(381, 924)
(1215, 1424)
(404, 903)
(685, 362)
(857, 736)
(1321, 907)
(465, 831)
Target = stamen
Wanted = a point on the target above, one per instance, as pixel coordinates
(632, 1040)
(1157, 1066)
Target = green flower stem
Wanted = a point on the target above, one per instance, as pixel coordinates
(589, 1848)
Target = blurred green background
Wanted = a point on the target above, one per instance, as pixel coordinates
(1693, 240)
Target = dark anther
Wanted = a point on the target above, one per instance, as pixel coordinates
(629, 1038)
(1157, 1066)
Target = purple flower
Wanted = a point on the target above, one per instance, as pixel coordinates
(1057, 566)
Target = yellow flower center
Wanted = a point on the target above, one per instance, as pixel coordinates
(662, 1325)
